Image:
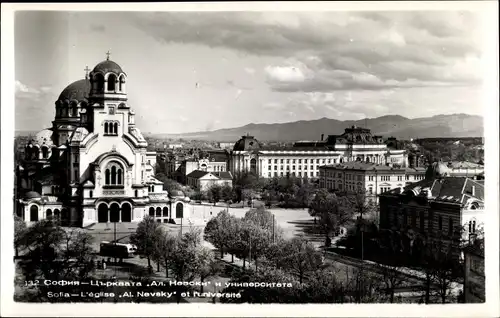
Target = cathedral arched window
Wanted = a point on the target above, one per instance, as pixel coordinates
(99, 83)
(114, 174)
(121, 82)
(73, 110)
(115, 128)
(106, 128)
(45, 152)
(111, 83)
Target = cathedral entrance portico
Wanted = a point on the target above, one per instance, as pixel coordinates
(114, 212)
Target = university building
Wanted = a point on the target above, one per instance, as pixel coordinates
(439, 211)
(372, 178)
(304, 158)
(92, 165)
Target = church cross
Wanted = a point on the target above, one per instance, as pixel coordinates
(87, 69)
(108, 54)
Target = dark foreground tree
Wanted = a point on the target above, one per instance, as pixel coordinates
(54, 254)
(145, 237)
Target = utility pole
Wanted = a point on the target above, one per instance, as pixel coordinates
(273, 230)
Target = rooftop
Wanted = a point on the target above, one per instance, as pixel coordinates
(446, 189)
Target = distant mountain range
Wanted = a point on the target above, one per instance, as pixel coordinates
(455, 125)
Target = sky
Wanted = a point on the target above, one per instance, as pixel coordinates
(197, 71)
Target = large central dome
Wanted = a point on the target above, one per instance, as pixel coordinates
(108, 66)
(78, 90)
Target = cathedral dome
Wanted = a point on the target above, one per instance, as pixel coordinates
(78, 90)
(246, 143)
(108, 66)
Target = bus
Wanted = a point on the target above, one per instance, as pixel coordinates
(117, 250)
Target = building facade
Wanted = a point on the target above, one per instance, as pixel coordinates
(180, 166)
(439, 210)
(474, 275)
(92, 165)
(372, 178)
(203, 180)
(304, 158)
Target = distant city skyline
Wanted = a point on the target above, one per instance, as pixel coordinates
(198, 71)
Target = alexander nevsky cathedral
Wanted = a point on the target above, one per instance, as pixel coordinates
(92, 165)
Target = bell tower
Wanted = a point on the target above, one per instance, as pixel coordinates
(108, 99)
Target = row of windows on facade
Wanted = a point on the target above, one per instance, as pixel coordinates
(163, 213)
(281, 174)
(350, 187)
(111, 128)
(372, 178)
(34, 152)
(411, 219)
(214, 168)
(111, 83)
(67, 112)
(48, 213)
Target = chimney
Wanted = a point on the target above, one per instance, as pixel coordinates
(322, 136)
(473, 191)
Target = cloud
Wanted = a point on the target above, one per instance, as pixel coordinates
(288, 74)
(338, 50)
(25, 89)
(249, 70)
(183, 119)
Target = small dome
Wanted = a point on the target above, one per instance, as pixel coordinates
(177, 193)
(108, 66)
(437, 170)
(32, 195)
(78, 90)
(247, 143)
(44, 137)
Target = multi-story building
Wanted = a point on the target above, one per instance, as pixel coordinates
(304, 158)
(474, 276)
(439, 210)
(369, 177)
(203, 180)
(92, 165)
(180, 166)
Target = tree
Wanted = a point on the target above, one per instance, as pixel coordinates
(215, 193)
(218, 231)
(55, 254)
(226, 193)
(206, 265)
(331, 215)
(392, 279)
(264, 219)
(145, 237)
(164, 248)
(19, 231)
(302, 257)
